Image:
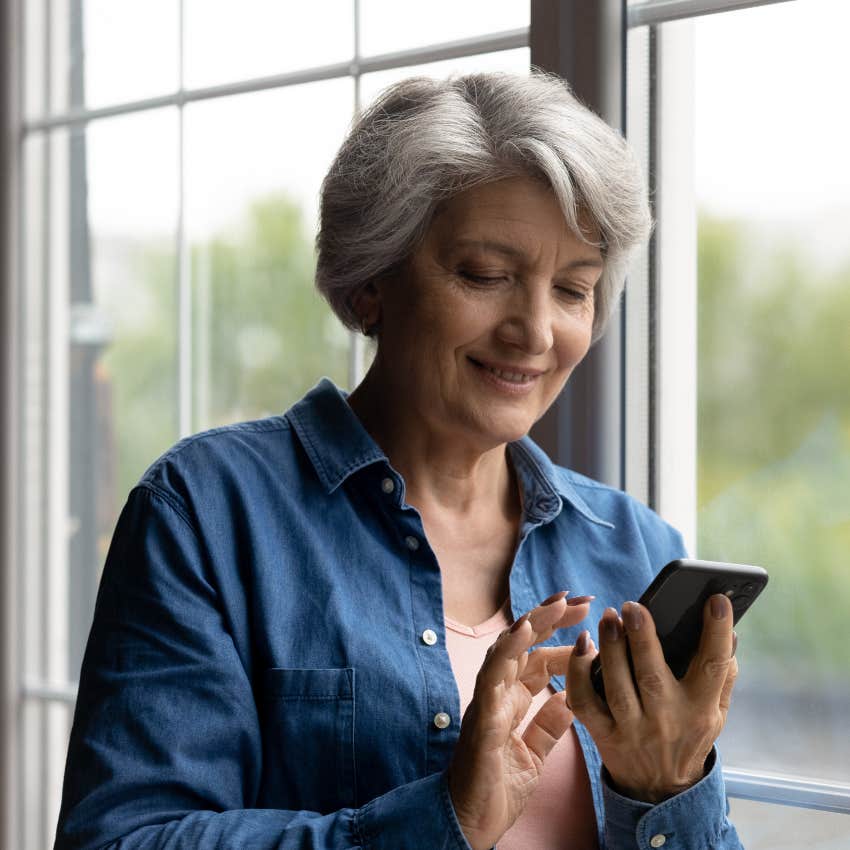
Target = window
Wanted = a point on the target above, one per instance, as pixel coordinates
(738, 323)
(171, 161)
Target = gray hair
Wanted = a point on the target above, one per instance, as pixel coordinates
(424, 141)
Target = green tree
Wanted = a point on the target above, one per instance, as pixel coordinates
(774, 442)
(262, 336)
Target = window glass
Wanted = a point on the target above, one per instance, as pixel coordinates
(34, 65)
(262, 335)
(387, 26)
(270, 37)
(518, 61)
(124, 318)
(125, 51)
(763, 826)
(773, 195)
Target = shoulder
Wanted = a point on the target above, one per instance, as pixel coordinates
(630, 520)
(222, 455)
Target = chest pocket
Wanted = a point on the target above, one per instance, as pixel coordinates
(308, 739)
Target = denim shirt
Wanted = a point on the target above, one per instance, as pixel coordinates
(256, 674)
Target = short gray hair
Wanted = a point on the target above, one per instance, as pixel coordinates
(425, 140)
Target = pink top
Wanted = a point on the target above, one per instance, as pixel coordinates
(560, 812)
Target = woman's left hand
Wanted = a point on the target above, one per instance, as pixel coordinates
(656, 732)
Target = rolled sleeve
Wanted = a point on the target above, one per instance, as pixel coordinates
(696, 819)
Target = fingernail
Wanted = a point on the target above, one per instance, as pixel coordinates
(518, 624)
(579, 600)
(734, 642)
(632, 616)
(582, 643)
(718, 606)
(611, 625)
(555, 597)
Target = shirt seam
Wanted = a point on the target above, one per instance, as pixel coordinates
(173, 502)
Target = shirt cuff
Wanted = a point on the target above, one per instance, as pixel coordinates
(695, 818)
(417, 814)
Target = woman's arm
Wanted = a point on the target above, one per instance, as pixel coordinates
(166, 748)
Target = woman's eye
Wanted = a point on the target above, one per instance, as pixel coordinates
(481, 278)
(573, 293)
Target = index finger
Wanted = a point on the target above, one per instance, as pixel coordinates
(558, 612)
(709, 667)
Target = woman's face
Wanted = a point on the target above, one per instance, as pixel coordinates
(481, 329)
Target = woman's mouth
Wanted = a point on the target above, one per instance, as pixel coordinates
(506, 378)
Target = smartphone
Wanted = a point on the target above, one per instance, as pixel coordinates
(676, 599)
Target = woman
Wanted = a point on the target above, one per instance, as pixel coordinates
(296, 613)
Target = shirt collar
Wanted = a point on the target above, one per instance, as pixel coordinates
(545, 486)
(338, 446)
(333, 437)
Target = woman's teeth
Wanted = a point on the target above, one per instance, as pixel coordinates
(512, 377)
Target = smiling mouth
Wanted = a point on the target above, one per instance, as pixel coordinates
(511, 377)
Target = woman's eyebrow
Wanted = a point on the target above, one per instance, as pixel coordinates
(517, 253)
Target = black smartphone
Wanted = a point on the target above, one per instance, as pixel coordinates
(676, 599)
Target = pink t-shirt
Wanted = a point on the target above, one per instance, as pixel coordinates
(560, 813)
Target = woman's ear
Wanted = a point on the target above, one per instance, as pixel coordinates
(367, 306)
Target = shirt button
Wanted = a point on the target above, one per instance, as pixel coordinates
(658, 840)
(429, 636)
(442, 720)
(412, 543)
(388, 485)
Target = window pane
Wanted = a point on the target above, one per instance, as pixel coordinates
(387, 26)
(240, 39)
(518, 61)
(103, 52)
(123, 389)
(773, 190)
(763, 826)
(34, 65)
(262, 335)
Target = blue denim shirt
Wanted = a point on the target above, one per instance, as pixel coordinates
(256, 675)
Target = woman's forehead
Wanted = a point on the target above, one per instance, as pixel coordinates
(510, 217)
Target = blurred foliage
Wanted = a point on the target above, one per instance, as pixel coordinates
(774, 445)
(261, 335)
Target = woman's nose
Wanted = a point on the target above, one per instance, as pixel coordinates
(528, 323)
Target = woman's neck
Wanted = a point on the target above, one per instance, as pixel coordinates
(443, 471)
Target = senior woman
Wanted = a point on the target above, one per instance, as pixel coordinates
(314, 630)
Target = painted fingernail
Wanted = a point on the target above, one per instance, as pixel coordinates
(555, 597)
(610, 625)
(632, 616)
(518, 624)
(734, 642)
(718, 606)
(579, 600)
(582, 643)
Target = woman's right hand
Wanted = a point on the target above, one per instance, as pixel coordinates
(494, 769)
